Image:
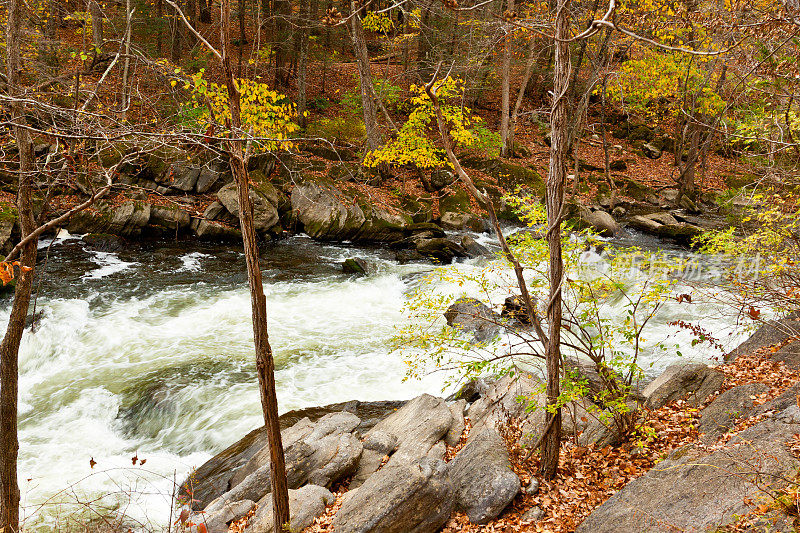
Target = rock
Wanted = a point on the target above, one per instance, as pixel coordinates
(515, 310)
(415, 497)
(6, 229)
(208, 229)
(510, 396)
(355, 265)
(771, 332)
(225, 513)
(462, 221)
(703, 490)
(697, 380)
(207, 179)
(682, 231)
(439, 249)
(129, 218)
(534, 514)
(305, 505)
(665, 225)
(453, 435)
(599, 220)
(473, 249)
(651, 151)
(381, 225)
(369, 463)
(599, 434)
(533, 487)
(438, 179)
(471, 391)
(325, 455)
(265, 213)
(217, 212)
(381, 441)
(324, 213)
(619, 212)
(586, 372)
(471, 316)
(170, 218)
(721, 414)
(418, 228)
(184, 176)
(482, 477)
(789, 355)
(688, 204)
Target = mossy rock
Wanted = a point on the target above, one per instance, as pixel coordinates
(737, 180)
(641, 133)
(455, 202)
(419, 209)
(8, 212)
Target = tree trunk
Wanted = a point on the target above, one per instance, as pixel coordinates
(97, 25)
(127, 63)
(265, 366)
(307, 11)
(9, 348)
(374, 138)
(505, 87)
(205, 11)
(282, 44)
(177, 32)
(559, 131)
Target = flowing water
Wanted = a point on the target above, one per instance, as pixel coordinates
(147, 352)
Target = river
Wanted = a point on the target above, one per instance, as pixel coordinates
(147, 352)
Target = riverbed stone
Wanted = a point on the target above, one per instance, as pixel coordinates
(404, 497)
(129, 218)
(599, 220)
(693, 381)
(212, 230)
(170, 218)
(325, 213)
(305, 505)
(703, 490)
(184, 176)
(453, 435)
(439, 249)
(265, 214)
(482, 477)
(418, 426)
(470, 315)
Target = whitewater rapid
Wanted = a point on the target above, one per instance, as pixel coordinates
(147, 352)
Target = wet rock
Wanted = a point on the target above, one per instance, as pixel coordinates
(473, 249)
(682, 231)
(599, 220)
(482, 476)
(170, 217)
(305, 505)
(211, 230)
(722, 413)
(418, 426)
(515, 310)
(356, 265)
(472, 316)
(217, 212)
(415, 497)
(265, 213)
(104, 242)
(462, 221)
(129, 218)
(703, 490)
(440, 249)
(695, 380)
(324, 214)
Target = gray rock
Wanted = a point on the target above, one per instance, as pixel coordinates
(415, 497)
(326, 213)
(170, 217)
(207, 179)
(599, 220)
(721, 414)
(381, 225)
(534, 514)
(473, 249)
(368, 464)
(6, 227)
(211, 230)
(224, 513)
(482, 476)
(504, 399)
(789, 355)
(305, 505)
(461, 221)
(453, 435)
(381, 441)
(695, 490)
(265, 214)
(471, 316)
(216, 211)
(439, 249)
(695, 380)
(769, 333)
(651, 151)
(418, 425)
(356, 265)
(533, 487)
(184, 176)
(682, 231)
(129, 218)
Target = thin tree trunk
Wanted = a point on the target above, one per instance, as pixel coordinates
(374, 138)
(97, 25)
(9, 348)
(559, 128)
(505, 87)
(127, 63)
(531, 60)
(302, 69)
(265, 366)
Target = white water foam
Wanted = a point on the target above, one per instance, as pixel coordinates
(109, 263)
(191, 262)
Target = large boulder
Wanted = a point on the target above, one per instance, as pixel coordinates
(418, 426)
(265, 212)
(482, 476)
(511, 395)
(305, 505)
(439, 249)
(789, 354)
(698, 490)
(325, 213)
(472, 316)
(769, 333)
(721, 414)
(695, 380)
(381, 225)
(129, 218)
(171, 218)
(415, 497)
(599, 220)
(184, 176)
(212, 230)
(222, 516)
(473, 248)
(665, 225)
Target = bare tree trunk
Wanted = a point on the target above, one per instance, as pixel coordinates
(127, 63)
(505, 89)
(205, 11)
(560, 137)
(9, 348)
(374, 138)
(265, 366)
(307, 11)
(177, 33)
(97, 25)
(282, 10)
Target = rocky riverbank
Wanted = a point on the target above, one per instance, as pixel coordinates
(410, 466)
